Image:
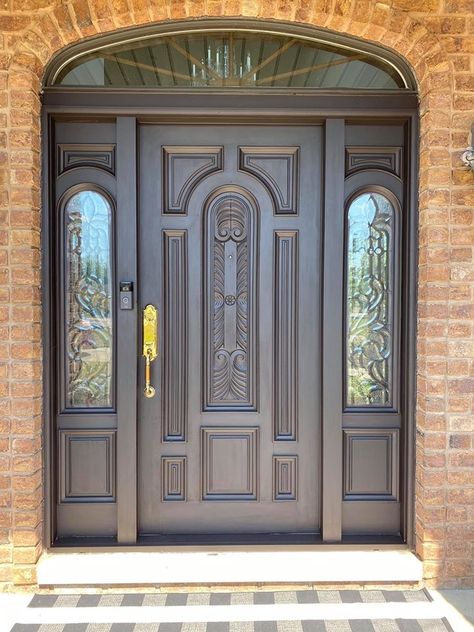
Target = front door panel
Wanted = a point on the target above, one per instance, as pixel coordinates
(229, 253)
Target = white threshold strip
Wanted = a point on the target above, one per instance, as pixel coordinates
(219, 565)
(195, 614)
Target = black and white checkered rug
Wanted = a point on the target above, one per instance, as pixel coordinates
(230, 598)
(259, 611)
(317, 625)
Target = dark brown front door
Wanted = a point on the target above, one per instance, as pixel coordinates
(276, 257)
(230, 255)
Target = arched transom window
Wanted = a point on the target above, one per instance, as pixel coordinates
(228, 59)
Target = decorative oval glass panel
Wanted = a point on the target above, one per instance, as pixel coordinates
(88, 301)
(369, 301)
(222, 59)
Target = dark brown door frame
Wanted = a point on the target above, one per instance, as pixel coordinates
(297, 109)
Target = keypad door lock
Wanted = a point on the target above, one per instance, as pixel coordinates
(126, 295)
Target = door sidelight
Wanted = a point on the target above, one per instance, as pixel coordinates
(150, 345)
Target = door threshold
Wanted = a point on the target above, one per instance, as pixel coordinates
(231, 565)
(223, 539)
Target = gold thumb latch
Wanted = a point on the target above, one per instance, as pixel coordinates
(150, 345)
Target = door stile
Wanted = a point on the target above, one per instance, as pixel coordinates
(127, 343)
(409, 331)
(332, 369)
(48, 322)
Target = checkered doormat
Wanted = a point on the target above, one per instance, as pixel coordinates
(96, 612)
(230, 598)
(359, 625)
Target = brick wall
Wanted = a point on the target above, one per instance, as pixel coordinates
(437, 38)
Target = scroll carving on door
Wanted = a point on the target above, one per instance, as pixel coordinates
(231, 223)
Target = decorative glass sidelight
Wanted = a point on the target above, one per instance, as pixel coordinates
(226, 59)
(88, 301)
(369, 301)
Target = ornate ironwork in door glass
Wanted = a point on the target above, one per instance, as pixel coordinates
(369, 295)
(88, 301)
(222, 59)
(230, 320)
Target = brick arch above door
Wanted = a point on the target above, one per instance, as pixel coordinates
(32, 39)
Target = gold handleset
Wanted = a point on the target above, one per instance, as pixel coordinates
(150, 345)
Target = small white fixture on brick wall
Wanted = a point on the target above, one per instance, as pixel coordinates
(468, 155)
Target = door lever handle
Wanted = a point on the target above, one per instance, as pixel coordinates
(150, 345)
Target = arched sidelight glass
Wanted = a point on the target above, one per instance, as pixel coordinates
(370, 291)
(231, 58)
(88, 300)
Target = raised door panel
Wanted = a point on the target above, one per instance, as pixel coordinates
(173, 478)
(183, 169)
(175, 336)
(285, 343)
(371, 464)
(230, 463)
(381, 158)
(285, 477)
(95, 155)
(87, 465)
(277, 168)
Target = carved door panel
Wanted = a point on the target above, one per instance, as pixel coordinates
(229, 253)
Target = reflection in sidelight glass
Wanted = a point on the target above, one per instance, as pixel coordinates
(229, 59)
(369, 296)
(88, 301)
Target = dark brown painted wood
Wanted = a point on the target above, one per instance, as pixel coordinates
(70, 156)
(97, 481)
(375, 515)
(332, 330)
(285, 477)
(183, 169)
(82, 507)
(285, 343)
(189, 108)
(48, 255)
(409, 322)
(374, 431)
(251, 280)
(277, 168)
(127, 329)
(173, 477)
(371, 464)
(175, 335)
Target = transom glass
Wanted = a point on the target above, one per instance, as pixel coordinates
(220, 59)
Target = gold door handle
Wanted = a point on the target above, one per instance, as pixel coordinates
(150, 345)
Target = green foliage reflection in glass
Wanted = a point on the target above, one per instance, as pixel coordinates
(229, 59)
(370, 226)
(88, 301)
